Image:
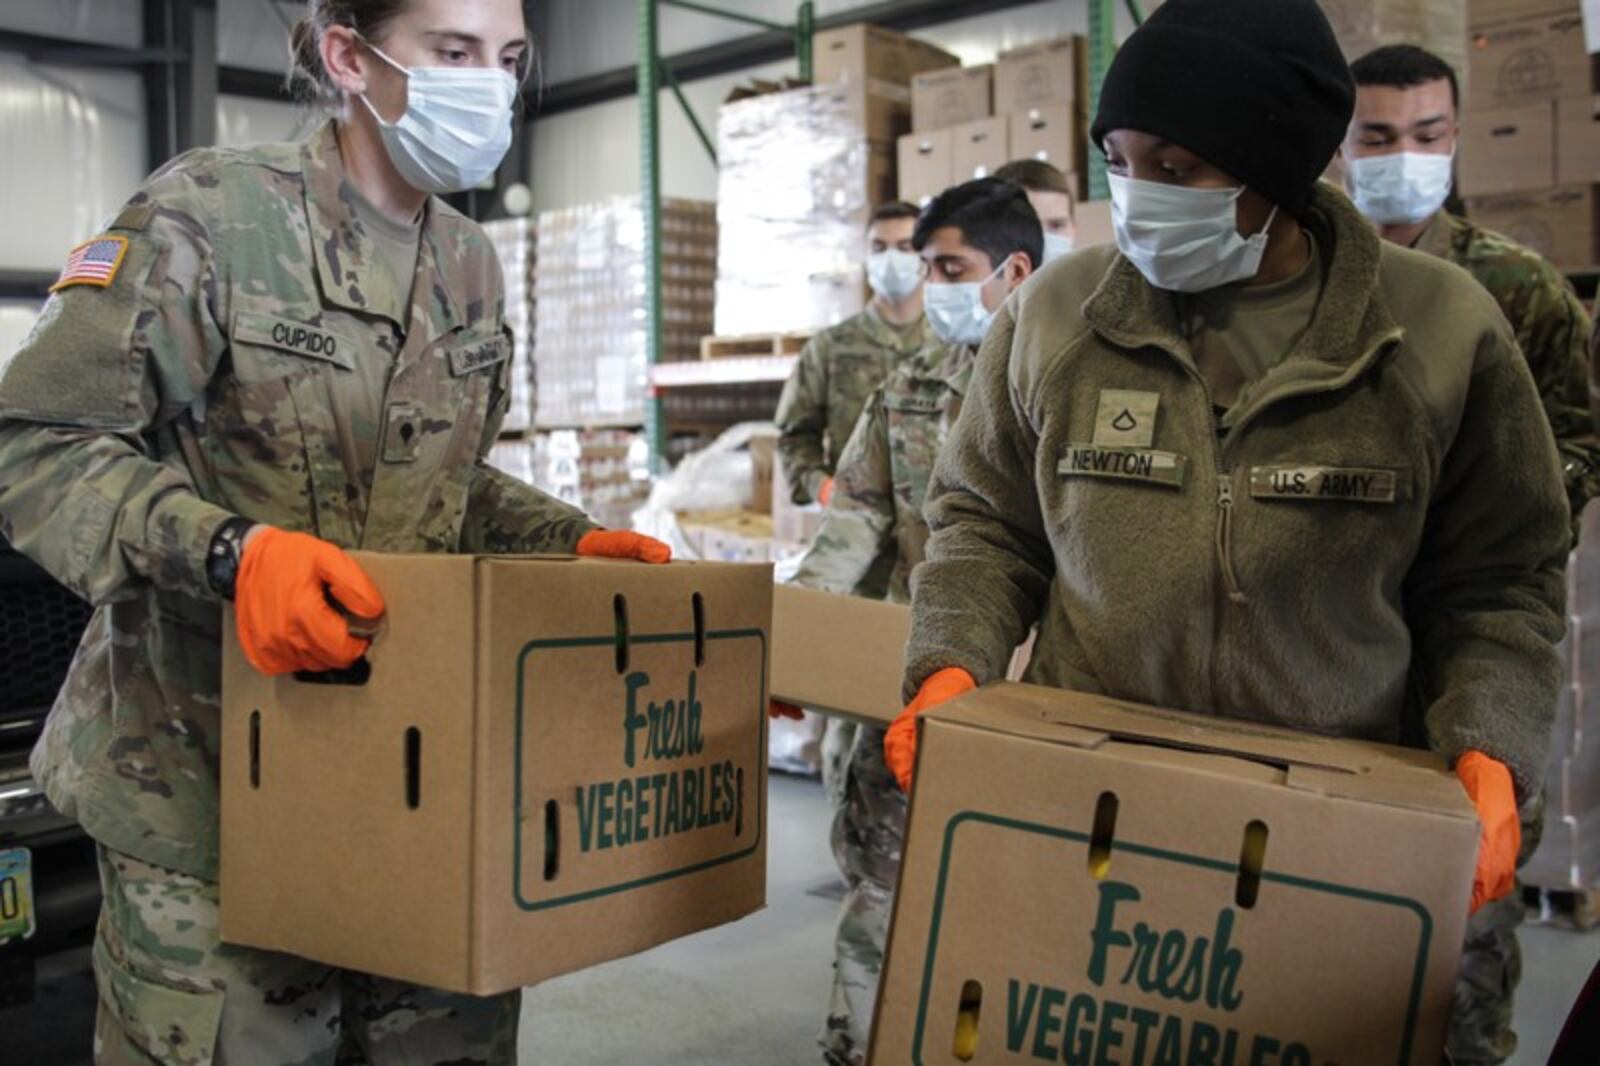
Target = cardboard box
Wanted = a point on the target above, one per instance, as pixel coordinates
(980, 148)
(845, 655)
(864, 52)
(1440, 26)
(1508, 150)
(729, 536)
(842, 655)
(547, 764)
(1490, 12)
(1528, 60)
(1094, 223)
(1081, 867)
(941, 99)
(763, 459)
(926, 165)
(1578, 140)
(1055, 135)
(1559, 224)
(1046, 75)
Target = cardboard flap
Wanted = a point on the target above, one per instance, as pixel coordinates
(1036, 711)
(1414, 791)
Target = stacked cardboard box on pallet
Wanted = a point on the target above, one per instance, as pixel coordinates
(800, 170)
(590, 345)
(1440, 26)
(1568, 858)
(1530, 142)
(967, 122)
(516, 244)
(605, 472)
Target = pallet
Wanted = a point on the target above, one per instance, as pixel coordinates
(1573, 908)
(753, 345)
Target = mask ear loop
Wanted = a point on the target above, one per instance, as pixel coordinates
(379, 52)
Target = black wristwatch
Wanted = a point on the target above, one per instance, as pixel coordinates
(222, 558)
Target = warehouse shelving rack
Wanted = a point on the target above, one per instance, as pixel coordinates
(654, 72)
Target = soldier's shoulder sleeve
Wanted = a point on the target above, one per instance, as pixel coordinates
(860, 517)
(128, 334)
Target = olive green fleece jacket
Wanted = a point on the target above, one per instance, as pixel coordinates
(1377, 540)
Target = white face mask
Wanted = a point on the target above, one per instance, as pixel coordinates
(1184, 240)
(955, 309)
(893, 274)
(456, 129)
(1401, 189)
(1057, 245)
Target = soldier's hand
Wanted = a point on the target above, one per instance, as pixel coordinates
(286, 621)
(900, 742)
(1488, 785)
(620, 544)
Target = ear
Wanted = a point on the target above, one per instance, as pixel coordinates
(1019, 270)
(342, 59)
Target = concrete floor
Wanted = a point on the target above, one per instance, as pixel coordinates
(750, 994)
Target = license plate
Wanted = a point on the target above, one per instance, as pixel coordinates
(16, 895)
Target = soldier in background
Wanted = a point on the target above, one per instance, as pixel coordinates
(269, 355)
(977, 242)
(1399, 167)
(824, 396)
(1050, 193)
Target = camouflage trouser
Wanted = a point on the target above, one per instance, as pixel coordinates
(838, 740)
(868, 834)
(172, 994)
(1480, 1031)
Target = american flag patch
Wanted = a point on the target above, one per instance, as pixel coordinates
(94, 262)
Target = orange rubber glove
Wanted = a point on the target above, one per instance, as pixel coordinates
(288, 599)
(620, 544)
(825, 493)
(1488, 785)
(780, 709)
(900, 742)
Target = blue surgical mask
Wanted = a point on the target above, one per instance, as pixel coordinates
(456, 128)
(1057, 245)
(1181, 239)
(955, 309)
(1401, 189)
(893, 274)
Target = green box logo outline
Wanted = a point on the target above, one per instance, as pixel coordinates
(1424, 917)
(666, 875)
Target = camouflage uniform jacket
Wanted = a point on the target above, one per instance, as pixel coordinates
(1552, 329)
(883, 476)
(824, 396)
(212, 378)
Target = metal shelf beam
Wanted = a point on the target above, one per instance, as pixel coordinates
(741, 53)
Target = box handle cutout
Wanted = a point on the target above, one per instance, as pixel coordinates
(255, 749)
(355, 675)
(698, 603)
(1505, 131)
(968, 1010)
(552, 839)
(738, 806)
(1252, 858)
(1100, 837)
(619, 606)
(413, 768)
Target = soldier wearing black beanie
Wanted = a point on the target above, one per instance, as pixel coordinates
(1263, 327)
(1257, 88)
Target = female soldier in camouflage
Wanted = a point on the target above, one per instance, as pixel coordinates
(269, 355)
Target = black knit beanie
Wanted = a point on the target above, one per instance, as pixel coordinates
(1257, 88)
